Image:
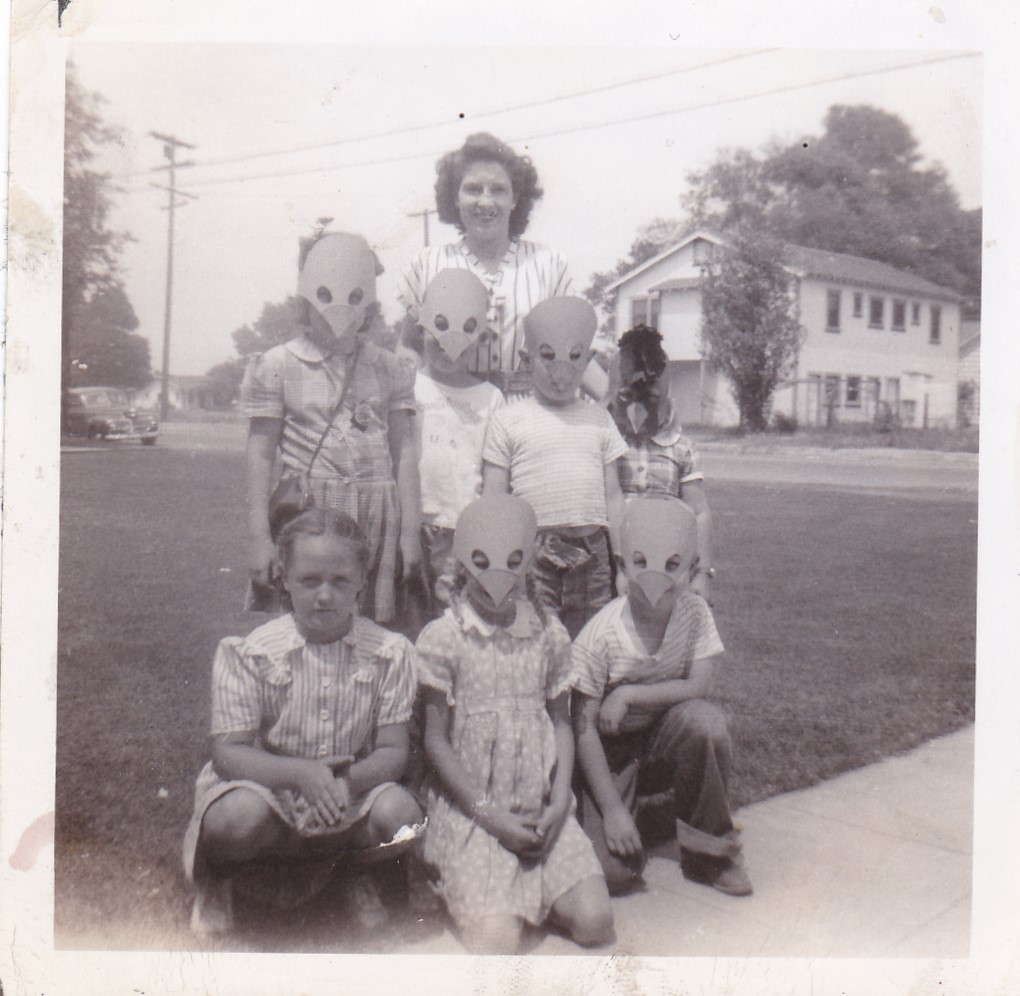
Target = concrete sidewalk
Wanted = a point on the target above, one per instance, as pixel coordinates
(875, 863)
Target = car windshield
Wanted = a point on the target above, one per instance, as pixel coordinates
(93, 399)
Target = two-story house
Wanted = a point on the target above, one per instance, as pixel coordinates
(877, 340)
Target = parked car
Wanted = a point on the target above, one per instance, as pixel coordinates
(106, 413)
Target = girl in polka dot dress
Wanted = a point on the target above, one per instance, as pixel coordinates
(502, 835)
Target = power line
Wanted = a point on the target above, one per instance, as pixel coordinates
(410, 129)
(334, 167)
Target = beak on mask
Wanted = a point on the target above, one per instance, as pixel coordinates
(338, 280)
(455, 311)
(494, 540)
(655, 531)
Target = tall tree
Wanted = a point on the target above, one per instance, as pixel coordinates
(224, 381)
(90, 247)
(103, 346)
(749, 329)
(275, 325)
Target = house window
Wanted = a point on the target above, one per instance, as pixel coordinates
(858, 305)
(832, 311)
(935, 334)
(892, 393)
(644, 311)
(831, 390)
(876, 312)
(704, 252)
(899, 316)
(853, 392)
(915, 313)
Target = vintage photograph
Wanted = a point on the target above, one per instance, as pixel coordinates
(488, 492)
(518, 518)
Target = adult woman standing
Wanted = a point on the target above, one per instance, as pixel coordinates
(487, 191)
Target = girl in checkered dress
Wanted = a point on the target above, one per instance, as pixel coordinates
(335, 406)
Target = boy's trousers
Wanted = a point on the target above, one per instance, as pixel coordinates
(687, 750)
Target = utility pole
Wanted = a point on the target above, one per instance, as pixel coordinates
(425, 220)
(170, 147)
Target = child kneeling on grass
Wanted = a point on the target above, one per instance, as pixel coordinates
(643, 670)
(309, 735)
(496, 677)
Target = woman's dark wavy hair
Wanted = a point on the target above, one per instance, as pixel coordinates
(486, 148)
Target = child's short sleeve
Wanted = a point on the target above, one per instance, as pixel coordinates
(262, 386)
(590, 660)
(437, 651)
(692, 636)
(613, 444)
(396, 694)
(236, 694)
(559, 671)
(497, 447)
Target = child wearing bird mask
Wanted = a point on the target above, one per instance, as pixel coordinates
(560, 455)
(660, 459)
(338, 411)
(454, 407)
(495, 671)
(643, 671)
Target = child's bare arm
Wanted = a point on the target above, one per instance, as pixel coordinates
(622, 835)
(560, 794)
(495, 480)
(405, 462)
(694, 495)
(514, 832)
(260, 456)
(614, 502)
(386, 763)
(662, 695)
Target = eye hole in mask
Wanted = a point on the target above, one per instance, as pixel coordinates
(479, 559)
(324, 295)
(355, 296)
(470, 325)
(638, 559)
(515, 559)
(441, 322)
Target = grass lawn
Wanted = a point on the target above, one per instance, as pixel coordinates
(851, 435)
(849, 621)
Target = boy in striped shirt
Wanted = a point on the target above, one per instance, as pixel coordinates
(560, 455)
(643, 670)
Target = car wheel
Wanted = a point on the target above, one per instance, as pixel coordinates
(148, 440)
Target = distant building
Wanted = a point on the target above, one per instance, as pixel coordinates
(878, 340)
(185, 392)
(969, 372)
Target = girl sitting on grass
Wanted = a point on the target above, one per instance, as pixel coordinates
(496, 678)
(309, 735)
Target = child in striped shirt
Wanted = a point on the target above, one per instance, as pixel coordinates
(560, 455)
(309, 734)
(643, 670)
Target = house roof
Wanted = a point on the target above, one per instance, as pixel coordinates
(805, 262)
(679, 283)
(840, 267)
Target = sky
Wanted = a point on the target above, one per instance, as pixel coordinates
(286, 134)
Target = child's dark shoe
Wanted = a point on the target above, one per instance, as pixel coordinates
(212, 914)
(726, 875)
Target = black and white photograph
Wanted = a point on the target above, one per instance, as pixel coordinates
(508, 494)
